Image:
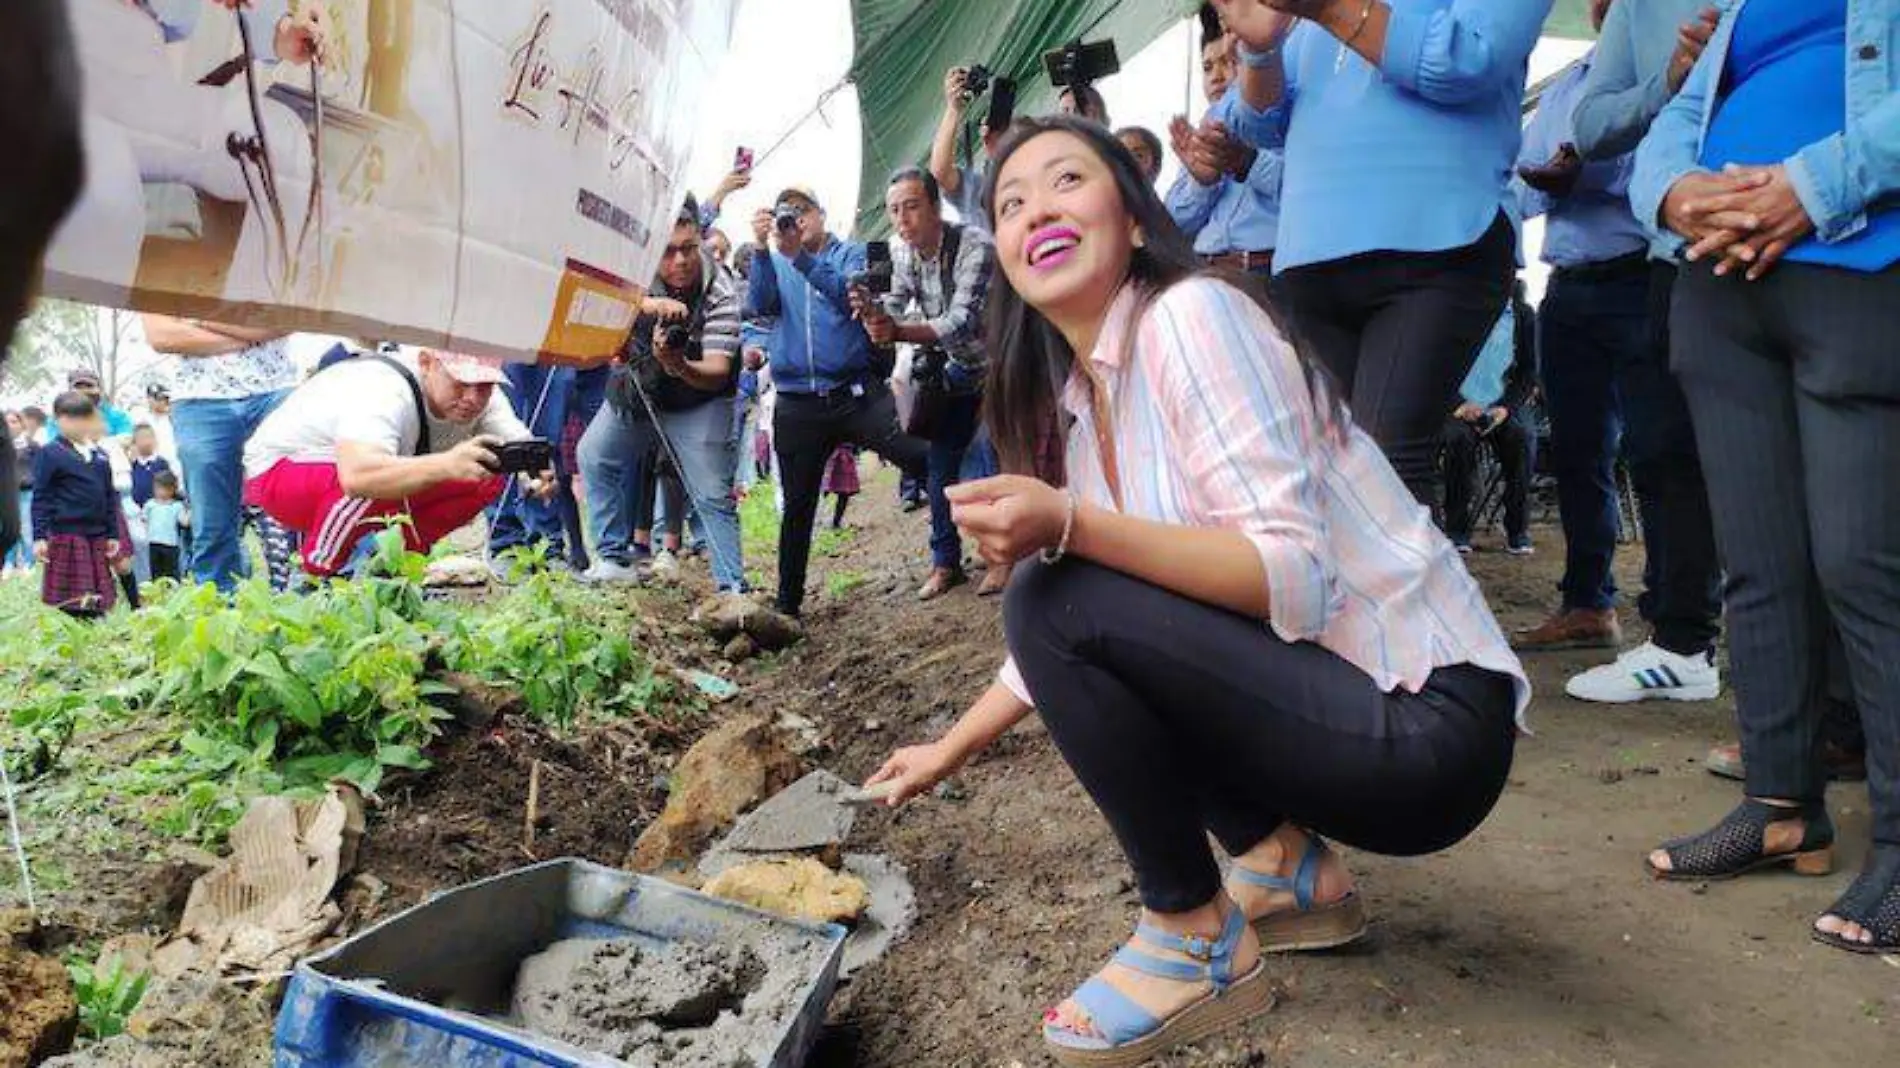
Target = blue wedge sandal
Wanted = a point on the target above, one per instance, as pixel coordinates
(1129, 1034)
(1305, 926)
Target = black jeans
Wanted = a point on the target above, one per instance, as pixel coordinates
(1590, 326)
(1182, 719)
(1399, 331)
(806, 429)
(1682, 572)
(1796, 394)
(1510, 442)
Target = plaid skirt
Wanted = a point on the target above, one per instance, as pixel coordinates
(78, 575)
(841, 472)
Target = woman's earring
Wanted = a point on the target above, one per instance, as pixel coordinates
(1141, 240)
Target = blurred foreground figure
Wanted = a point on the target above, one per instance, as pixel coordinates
(39, 121)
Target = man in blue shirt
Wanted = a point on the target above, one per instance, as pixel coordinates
(1607, 361)
(833, 384)
(1227, 198)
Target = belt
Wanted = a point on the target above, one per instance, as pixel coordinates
(1242, 261)
(1630, 263)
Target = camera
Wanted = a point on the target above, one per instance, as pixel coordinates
(976, 81)
(786, 217)
(1081, 64)
(529, 457)
(876, 277)
(676, 336)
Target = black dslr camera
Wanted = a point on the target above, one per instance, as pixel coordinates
(676, 336)
(876, 277)
(528, 457)
(976, 81)
(1081, 64)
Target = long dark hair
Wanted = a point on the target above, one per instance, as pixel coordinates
(1030, 360)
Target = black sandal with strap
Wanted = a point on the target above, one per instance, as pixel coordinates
(1734, 846)
(1873, 903)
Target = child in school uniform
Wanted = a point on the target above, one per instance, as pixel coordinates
(76, 519)
(165, 520)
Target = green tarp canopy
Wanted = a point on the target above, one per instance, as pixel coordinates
(902, 48)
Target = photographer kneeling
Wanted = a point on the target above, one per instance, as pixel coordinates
(673, 399)
(941, 273)
(379, 436)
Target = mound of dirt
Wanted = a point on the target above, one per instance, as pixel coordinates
(38, 1013)
(464, 819)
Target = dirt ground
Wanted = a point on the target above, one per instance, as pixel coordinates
(1537, 942)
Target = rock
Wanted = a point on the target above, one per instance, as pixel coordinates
(41, 1014)
(1609, 776)
(800, 887)
(725, 773)
(950, 790)
(740, 649)
(477, 705)
(729, 615)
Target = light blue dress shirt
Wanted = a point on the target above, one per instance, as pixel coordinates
(1593, 223)
(1484, 383)
(1413, 155)
(1629, 73)
(1231, 215)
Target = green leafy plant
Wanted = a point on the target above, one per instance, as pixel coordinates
(108, 994)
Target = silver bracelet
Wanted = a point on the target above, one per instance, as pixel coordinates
(1068, 527)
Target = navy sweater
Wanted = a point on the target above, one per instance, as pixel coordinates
(72, 495)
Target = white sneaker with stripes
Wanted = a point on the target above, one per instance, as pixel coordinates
(1649, 673)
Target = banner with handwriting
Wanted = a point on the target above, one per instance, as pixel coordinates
(490, 176)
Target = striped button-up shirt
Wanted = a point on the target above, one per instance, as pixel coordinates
(1214, 426)
(957, 314)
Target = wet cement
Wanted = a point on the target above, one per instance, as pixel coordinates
(678, 1005)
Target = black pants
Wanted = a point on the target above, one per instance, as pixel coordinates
(1593, 323)
(1182, 719)
(806, 429)
(1510, 442)
(1682, 572)
(164, 561)
(1399, 331)
(1796, 395)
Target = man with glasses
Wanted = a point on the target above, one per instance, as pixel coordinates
(672, 398)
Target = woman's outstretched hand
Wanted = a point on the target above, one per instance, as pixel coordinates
(1010, 516)
(915, 769)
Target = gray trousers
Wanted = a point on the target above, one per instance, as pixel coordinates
(1794, 386)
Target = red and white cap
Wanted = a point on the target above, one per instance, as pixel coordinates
(472, 370)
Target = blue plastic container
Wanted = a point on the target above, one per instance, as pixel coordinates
(421, 988)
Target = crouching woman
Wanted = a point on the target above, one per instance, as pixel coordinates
(1234, 618)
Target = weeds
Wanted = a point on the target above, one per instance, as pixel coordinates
(108, 995)
(842, 584)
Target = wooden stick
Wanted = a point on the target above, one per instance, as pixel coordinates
(534, 807)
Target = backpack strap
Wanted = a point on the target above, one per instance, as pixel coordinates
(415, 392)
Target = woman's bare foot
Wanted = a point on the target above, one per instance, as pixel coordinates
(1783, 836)
(1279, 855)
(1163, 998)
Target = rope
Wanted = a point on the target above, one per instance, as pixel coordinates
(19, 846)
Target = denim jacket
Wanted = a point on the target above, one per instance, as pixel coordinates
(1839, 179)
